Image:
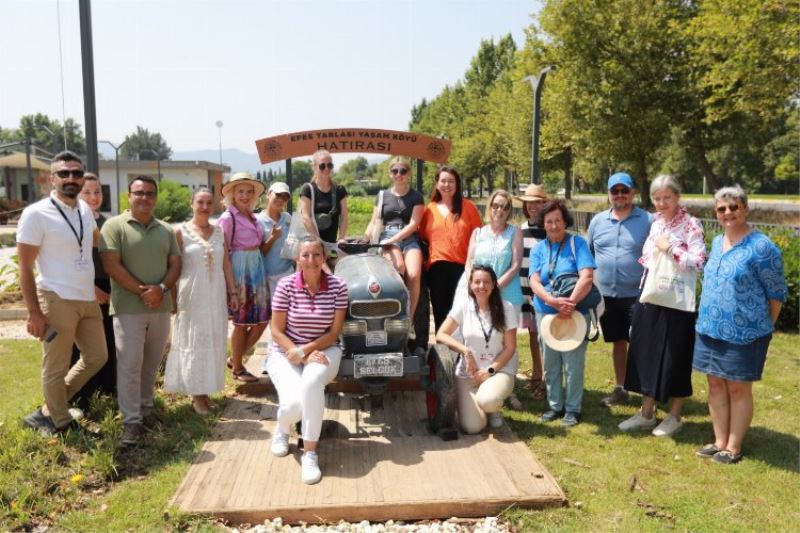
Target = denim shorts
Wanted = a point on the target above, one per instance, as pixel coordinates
(409, 243)
(734, 362)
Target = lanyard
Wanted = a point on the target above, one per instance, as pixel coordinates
(552, 264)
(80, 219)
(486, 334)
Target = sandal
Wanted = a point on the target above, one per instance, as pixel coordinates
(514, 403)
(538, 389)
(244, 376)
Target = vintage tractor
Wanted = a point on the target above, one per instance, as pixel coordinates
(376, 337)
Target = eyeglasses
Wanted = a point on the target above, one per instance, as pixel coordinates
(616, 191)
(500, 206)
(64, 174)
(400, 170)
(143, 194)
(323, 166)
(732, 208)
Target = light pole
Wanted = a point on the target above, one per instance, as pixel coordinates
(537, 82)
(116, 164)
(54, 137)
(219, 127)
(158, 160)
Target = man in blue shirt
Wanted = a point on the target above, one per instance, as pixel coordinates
(616, 237)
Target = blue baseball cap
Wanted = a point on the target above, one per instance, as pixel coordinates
(620, 178)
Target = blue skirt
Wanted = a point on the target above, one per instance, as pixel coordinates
(252, 288)
(734, 362)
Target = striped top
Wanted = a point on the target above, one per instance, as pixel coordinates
(531, 235)
(308, 316)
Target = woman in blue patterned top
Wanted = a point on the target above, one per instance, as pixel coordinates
(743, 290)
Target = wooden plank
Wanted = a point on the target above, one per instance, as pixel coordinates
(372, 468)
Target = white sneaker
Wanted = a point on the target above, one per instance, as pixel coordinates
(669, 426)
(495, 420)
(280, 443)
(75, 413)
(309, 468)
(638, 421)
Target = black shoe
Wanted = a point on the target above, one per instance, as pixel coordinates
(41, 423)
(151, 422)
(708, 451)
(727, 457)
(130, 434)
(550, 415)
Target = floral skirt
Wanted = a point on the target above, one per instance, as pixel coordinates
(252, 288)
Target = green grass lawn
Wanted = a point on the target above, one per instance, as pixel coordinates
(614, 481)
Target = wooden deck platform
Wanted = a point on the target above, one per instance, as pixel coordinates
(378, 461)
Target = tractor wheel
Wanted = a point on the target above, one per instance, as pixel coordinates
(441, 393)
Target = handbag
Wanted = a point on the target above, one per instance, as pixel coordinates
(377, 228)
(668, 286)
(297, 231)
(592, 304)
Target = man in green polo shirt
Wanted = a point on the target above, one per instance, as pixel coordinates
(141, 255)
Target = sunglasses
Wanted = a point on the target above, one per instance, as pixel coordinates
(143, 194)
(500, 206)
(64, 174)
(402, 171)
(323, 166)
(282, 196)
(732, 208)
(619, 190)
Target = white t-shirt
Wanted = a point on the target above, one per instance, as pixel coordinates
(64, 267)
(471, 329)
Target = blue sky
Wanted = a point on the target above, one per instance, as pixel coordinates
(262, 67)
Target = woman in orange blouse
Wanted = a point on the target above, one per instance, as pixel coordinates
(447, 224)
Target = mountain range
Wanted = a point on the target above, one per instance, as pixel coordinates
(236, 159)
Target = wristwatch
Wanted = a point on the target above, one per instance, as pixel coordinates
(491, 370)
(164, 288)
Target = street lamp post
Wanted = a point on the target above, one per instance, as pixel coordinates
(537, 82)
(219, 127)
(116, 165)
(158, 160)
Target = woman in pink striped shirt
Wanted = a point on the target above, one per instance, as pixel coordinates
(308, 311)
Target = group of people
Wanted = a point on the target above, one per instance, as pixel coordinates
(106, 290)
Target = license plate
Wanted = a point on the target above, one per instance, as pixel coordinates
(376, 338)
(378, 365)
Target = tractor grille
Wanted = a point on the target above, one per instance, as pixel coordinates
(374, 308)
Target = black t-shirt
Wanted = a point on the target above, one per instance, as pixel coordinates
(323, 205)
(397, 209)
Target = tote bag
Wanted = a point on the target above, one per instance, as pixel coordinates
(377, 228)
(297, 230)
(668, 286)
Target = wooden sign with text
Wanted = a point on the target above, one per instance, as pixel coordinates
(362, 140)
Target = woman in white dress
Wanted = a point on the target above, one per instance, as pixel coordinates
(196, 362)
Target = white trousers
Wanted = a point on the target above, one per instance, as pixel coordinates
(474, 403)
(301, 390)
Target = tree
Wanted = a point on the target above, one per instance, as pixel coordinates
(34, 126)
(301, 173)
(142, 144)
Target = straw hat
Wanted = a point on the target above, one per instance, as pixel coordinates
(533, 193)
(563, 334)
(243, 177)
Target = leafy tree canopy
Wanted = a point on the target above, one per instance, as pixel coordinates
(144, 145)
(34, 126)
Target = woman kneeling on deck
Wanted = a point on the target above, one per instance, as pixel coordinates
(308, 310)
(486, 327)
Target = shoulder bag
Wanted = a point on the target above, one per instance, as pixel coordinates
(297, 230)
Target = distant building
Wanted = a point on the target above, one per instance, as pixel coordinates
(190, 174)
(14, 176)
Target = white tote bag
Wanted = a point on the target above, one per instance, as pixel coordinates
(377, 228)
(668, 286)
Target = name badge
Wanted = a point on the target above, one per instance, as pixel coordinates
(487, 357)
(82, 265)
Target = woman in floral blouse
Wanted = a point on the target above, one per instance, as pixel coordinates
(662, 340)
